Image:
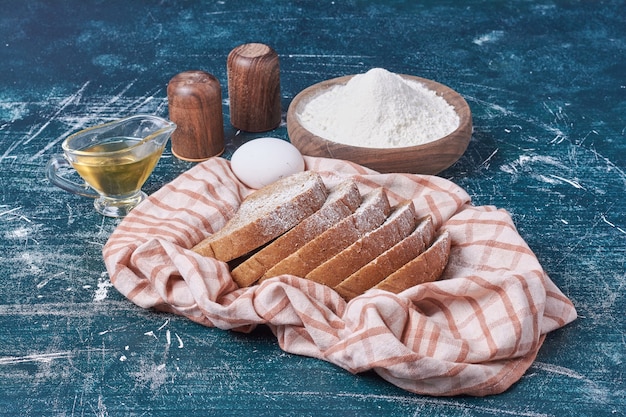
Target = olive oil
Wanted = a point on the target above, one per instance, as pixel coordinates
(120, 173)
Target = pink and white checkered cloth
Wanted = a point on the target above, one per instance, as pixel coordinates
(475, 331)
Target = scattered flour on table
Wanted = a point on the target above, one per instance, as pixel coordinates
(103, 288)
(379, 109)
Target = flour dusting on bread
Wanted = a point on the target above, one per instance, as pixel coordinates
(266, 214)
(331, 235)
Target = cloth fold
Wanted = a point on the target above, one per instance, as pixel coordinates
(475, 331)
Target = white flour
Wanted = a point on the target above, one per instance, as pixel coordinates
(379, 109)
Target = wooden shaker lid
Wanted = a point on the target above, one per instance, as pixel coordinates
(195, 105)
(254, 87)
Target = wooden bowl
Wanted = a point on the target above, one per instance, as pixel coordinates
(429, 158)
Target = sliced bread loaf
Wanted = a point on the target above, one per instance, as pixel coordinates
(342, 201)
(266, 214)
(388, 262)
(427, 267)
(400, 223)
(371, 213)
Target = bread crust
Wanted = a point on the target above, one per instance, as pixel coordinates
(340, 239)
(427, 267)
(266, 214)
(371, 213)
(389, 261)
(342, 201)
(400, 223)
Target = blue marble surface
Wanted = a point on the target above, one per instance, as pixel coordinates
(546, 82)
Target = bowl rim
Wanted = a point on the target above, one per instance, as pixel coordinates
(442, 90)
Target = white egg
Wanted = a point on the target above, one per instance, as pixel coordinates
(262, 161)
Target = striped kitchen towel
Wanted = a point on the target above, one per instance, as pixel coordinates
(475, 331)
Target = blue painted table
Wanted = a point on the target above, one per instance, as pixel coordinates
(546, 81)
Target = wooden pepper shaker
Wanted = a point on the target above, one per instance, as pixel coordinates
(195, 105)
(254, 87)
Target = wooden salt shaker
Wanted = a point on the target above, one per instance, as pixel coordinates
(195, 105)
(254, 87)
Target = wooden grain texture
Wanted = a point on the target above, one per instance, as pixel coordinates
(254, 87)
(428, 158)
(195, 105)
(545, 82)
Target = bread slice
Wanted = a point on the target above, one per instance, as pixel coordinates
(342, 201)
(371, 213)
(400, 223)
(388, 262)
(427, 267)
(266, 214)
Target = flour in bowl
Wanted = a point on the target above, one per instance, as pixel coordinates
(379, 109)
